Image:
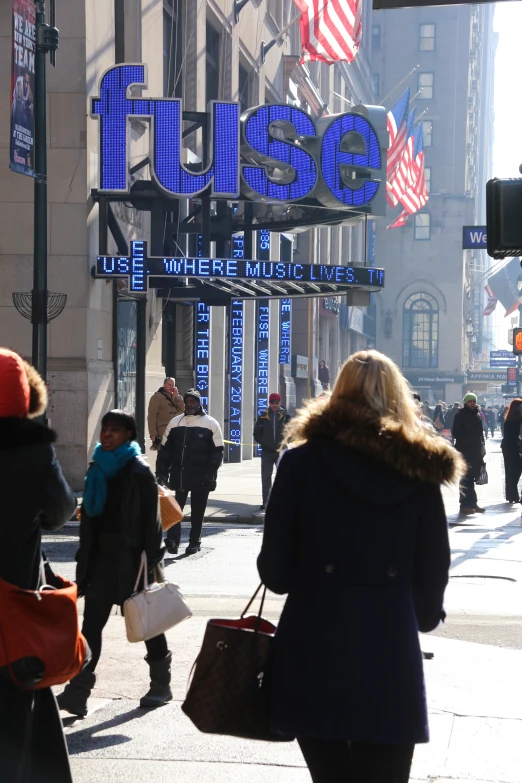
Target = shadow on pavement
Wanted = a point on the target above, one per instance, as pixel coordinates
(85, 739)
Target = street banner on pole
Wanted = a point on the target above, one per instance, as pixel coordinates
(23, 87)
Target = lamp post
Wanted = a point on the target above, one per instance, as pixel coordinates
(46, 41)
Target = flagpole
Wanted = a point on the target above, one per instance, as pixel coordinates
(400, 83)
(266, 47)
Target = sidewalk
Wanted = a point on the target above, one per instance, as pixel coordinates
(475, 705)
(237, 498)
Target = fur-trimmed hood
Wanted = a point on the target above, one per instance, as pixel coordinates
(420, 455)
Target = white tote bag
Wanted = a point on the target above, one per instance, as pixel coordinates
(153, 610)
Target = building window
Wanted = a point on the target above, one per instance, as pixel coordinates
(169, 49)
(212, 64)
(427, 133)
(422, 226)
(420, 332)
(427, 38)
(427, 178)
(425, 84)
(376, 36)
(119, 31)
(375, 83)
(275, 9)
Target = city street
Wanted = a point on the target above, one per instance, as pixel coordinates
(473, 680)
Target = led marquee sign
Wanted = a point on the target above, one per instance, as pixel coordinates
(269, 153)
(139, 267)
(237, 319)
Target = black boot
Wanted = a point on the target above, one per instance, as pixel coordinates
(159, 693)
(74, 698)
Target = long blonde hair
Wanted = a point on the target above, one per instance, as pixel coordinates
(371, 379)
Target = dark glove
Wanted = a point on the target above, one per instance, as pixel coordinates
(209, 482)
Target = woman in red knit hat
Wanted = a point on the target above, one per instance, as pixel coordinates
(35, 496)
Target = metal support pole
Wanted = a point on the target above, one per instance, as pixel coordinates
(519, 358)
(39, 296)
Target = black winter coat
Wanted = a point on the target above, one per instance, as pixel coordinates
(347, 663)
(191, 453)
(264, 429)
(139, 529)
(35, 497)
(511, 441)
(468, 432)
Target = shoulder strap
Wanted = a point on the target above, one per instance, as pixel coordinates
(143, 570)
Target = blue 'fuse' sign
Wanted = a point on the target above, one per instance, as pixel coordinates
(138, 267)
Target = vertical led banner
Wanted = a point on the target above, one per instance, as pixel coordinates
(23, 87)
(262, 348)
(202, 343)
(236, 363)
(285, 330)
(262, 334)
(203, 352)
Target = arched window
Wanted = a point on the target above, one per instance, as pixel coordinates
(421, 332)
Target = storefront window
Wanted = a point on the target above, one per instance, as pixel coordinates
(126, 359)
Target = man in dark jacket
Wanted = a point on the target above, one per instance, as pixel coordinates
(188, 461)
(468, 435)
(491, 418)
(268, 432)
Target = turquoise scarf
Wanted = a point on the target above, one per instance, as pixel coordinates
(106, 464)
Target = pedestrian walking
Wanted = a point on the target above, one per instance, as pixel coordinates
(163, 406)
(119, 521)
(356, 534)
(35, 497)
(438, 418)
(324, 375)
(511, 450)
(491, 417)
(268, 432)
(188, 461)
(450, 415)
(484, 421)
(468, 434)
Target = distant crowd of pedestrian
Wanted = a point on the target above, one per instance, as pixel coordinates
(442, 415)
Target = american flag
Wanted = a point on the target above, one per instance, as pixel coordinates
(416, 196)
(330, 29)
(400, 221)
(402, 177)
(397, 122)
(492, 301)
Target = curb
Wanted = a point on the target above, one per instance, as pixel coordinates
(218, 519)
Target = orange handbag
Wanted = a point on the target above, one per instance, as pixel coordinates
(40, 640)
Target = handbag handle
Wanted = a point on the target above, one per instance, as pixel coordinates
(143, 570)
(245, 610)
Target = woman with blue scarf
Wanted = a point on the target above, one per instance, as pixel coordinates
(119, 521)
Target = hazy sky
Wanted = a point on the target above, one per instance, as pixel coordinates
(507, 149)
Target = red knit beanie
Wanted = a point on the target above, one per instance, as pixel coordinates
(14, 385)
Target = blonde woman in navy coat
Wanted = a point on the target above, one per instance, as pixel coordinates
(356, 534)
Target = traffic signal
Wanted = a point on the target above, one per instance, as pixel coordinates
(504, 217)
(517, 341)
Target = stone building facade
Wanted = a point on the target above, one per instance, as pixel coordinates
(195, 51)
